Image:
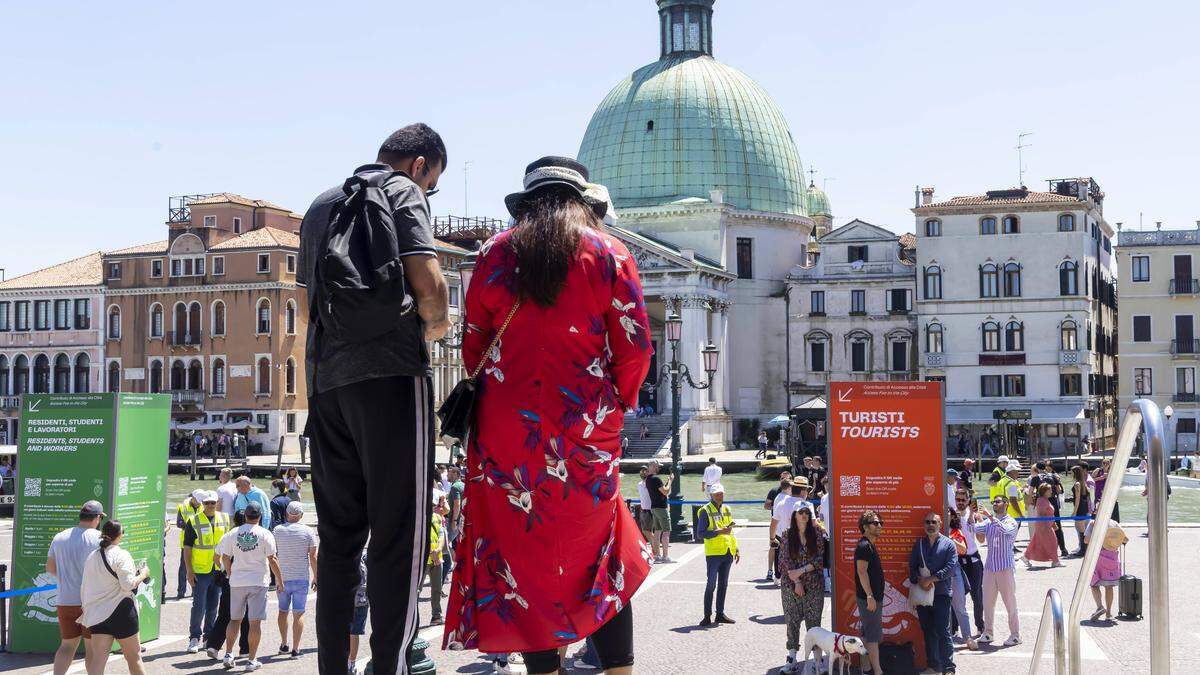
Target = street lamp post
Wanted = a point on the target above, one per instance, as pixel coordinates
(679, 371)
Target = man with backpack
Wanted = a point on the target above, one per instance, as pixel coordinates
(376, 295)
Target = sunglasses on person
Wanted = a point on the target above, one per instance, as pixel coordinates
(875, 522)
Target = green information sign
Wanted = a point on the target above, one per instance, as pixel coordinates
(76, 447)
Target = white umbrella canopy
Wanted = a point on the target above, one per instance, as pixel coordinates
(244, 425)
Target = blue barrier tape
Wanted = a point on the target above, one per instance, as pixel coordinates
(27, 591)
(1034, 519)
(730, 502)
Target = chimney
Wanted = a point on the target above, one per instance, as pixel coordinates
(926, 196)
(1158, 225)
(1081, 189)
(688, 254)
(916, 196)
(716, 196)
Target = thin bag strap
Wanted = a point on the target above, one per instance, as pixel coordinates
(495, 340)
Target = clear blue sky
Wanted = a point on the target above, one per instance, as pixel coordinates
(109, 110)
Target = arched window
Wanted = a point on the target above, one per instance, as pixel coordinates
(1012, 280)
(5, 388)
(933, 339)
(194, 323)
(289, 317)
(1066, 223)
(1070, 336)
(20, 375)
(987, 225)
(62, 374)
(218, 377)
(1012, 225)
(83, 367)
(858, 344)
(1068, 278)
(991, 336)
(1014, 337)
(264, 376)
(263, 313)
(195, 378)
(289, 379)
(989, 281)
(156, 377)
(933, 283)
(218, 318)
(178, 376)
(179, 324)
(817, 350)
(933, 227)
(114, 323)
(41, 374)
(156, 320)
(114, 377)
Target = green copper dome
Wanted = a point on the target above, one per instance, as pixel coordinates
(818, 202)
(688, 124)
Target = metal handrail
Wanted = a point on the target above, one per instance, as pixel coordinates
(1140, 413)
(1053, 607)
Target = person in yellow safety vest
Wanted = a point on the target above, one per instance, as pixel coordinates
(433, 564)
(1012, 491)
(714, 524)
(183, 513)
(200, 536)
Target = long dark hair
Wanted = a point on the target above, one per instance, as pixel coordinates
(810, 537)
(109, 533)
(546, 239)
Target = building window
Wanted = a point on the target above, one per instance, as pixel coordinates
(62, 315)
(858, 302)
(156, 321)
(291, 264)
(816, 356)
(987, 225)
(1014, 337)
(1185, 384)
(933, 227)
(4, 390)
(933, 283)
(114, 377)
(218, 318)
(1068, 278)
(1070, 336)
(289, 317)
(289, 377)
(1143, 381)
(816, 302)
(218, 265)
(989, 386)
(264, 263)
(745, 258)
(1141, 329)
(237, 225)
(114, 323)
(218, 377)
(114, 270)
(195, 376)
(290, 421)
(1140, 268)
(899, 356)
(41, 315)
(210, 221)
(5, 316)
(83, 314)
(263, 420)
(21, 375)
(1185, 425)
(1012, 225)
(1012, 280)
(1014, 385)
(62, 374)
(991, 337)
(156, 376)
(1066, 223)
(899, 300)
(989, 281)
(263, 379)
(83, 368)
(1070, 385)
(21, 314)
(156, 269)
(41, 374)
(454, 296)
(934, 338)
(264, 317)
(856, 253)
(858, 356)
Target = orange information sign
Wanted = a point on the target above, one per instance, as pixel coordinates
(886, 454)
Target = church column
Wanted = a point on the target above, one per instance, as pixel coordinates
(694, 312)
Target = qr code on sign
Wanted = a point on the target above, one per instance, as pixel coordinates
(851, 486)
(123, 486)
(33, 487)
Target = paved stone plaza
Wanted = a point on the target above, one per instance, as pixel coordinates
(668, 606)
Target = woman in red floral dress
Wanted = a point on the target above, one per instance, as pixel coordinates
(549, 553)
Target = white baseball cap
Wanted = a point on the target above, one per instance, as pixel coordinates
(715, 488)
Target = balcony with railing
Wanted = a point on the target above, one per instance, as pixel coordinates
(1186, 397)
(187, 397)
(10, 402)
(1183, 286)
(1185, 349)
(185, 338)
(935, 360)
(1072, 357)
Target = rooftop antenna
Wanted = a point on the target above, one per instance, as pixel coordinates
(1021, 145)
(466, 189)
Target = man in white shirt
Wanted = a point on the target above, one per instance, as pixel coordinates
(644, 517)
(712, 475)
(227, 492)
(248, 552)
(68, 551)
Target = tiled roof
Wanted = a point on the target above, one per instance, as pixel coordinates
(908, 240)
(230, 198)
(999, 197)
(264, 237)
(152, 247)
(85, 271)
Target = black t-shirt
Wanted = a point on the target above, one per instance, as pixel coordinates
(866, 551)
(772, 494)
(815, 478)
(654, 486)
(331, 363)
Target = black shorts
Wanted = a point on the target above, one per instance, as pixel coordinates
(121, 624)
(613, 642)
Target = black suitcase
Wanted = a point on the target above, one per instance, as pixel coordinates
(1130, 594)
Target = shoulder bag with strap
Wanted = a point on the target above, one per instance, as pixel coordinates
(104, 559)
(457, 413)
(918, 596)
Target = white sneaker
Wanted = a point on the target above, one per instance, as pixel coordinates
(516, 657)
(193, 646)
(228, 662)
(252, 665)
(984, 638)
(213, 653)
(1012, 641)
(580, 664)
(506, 669)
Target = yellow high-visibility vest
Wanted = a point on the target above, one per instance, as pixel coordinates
(435, 540)
(208, 534)
(721, 543)
(184, 513)
(1003, 485)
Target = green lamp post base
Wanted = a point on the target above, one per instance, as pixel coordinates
(418, 662)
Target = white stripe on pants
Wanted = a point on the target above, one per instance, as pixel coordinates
(1004, 583)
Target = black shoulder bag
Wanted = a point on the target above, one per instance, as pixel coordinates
(457, 413)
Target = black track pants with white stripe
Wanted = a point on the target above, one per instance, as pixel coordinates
(372, 457)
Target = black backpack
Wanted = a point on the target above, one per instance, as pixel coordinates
(360, 276)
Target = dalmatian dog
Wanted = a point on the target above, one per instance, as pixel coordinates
(836, 646)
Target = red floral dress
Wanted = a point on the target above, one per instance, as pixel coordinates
(549, 551)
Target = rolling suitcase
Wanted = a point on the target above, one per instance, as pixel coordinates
(1130, 593)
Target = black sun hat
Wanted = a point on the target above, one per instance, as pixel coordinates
(553, 171)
